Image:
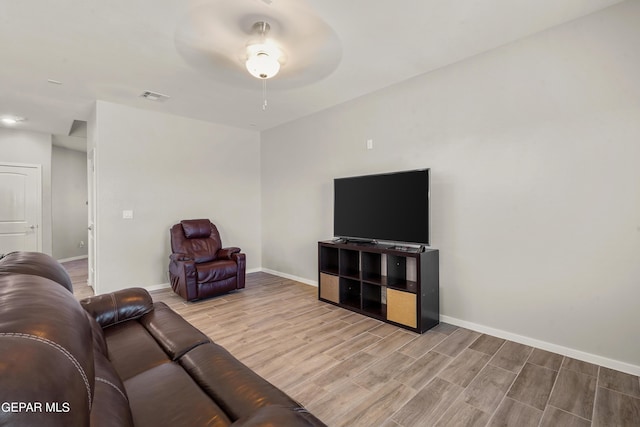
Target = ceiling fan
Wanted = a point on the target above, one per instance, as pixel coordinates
(237, 41)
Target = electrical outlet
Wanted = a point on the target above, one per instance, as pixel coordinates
(127, 214)
(81, 244)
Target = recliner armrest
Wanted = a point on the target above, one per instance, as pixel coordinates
(120, 306)
(225, 253)
(180, 257)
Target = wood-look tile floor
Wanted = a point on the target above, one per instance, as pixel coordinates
(351, 370)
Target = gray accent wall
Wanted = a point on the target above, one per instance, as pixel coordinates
(535, 206)
(69, 203)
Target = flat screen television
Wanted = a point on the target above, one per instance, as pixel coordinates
(390, 207)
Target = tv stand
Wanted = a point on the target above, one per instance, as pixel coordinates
(398, 285)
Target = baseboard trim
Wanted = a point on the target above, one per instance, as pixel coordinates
(168, 285)
(544, 345)
(157, 287)
(73, 258)
(290, 276)
(521, 339)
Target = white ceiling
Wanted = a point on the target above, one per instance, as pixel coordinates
(114, 50)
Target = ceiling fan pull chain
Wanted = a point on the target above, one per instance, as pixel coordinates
(264, 94)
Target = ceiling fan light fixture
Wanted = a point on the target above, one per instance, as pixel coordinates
(262, 61)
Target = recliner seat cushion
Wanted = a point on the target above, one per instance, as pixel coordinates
(216, 270)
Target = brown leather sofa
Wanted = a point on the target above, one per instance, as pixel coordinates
(199, 266)
(117, 359)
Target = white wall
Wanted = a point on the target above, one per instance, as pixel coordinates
(17, 146)
(69, 203)
(534, 151)
(166, 168)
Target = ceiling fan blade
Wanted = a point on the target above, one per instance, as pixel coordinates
(213, 38)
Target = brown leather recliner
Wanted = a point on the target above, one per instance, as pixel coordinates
(200, 267)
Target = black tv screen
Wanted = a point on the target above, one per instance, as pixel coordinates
(391, 207)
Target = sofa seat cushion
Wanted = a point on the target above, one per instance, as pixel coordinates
(110, 404)
(231, 384)
(215, 271)
(167, 396)
(132, 350)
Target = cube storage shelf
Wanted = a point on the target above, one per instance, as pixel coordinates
(396, 285)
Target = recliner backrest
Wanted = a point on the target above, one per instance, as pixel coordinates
(197, 238)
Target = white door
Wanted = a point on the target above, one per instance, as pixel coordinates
(20, 208)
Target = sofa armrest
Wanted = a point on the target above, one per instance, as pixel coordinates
(120, 306)
(225, 253)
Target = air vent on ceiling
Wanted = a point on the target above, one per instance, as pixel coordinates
(154, 96)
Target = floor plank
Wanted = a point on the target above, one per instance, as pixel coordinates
(575, 393)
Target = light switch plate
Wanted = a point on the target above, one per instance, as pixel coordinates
(127, 214)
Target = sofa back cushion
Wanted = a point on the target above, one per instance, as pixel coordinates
(47, 356)
(37, 264)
